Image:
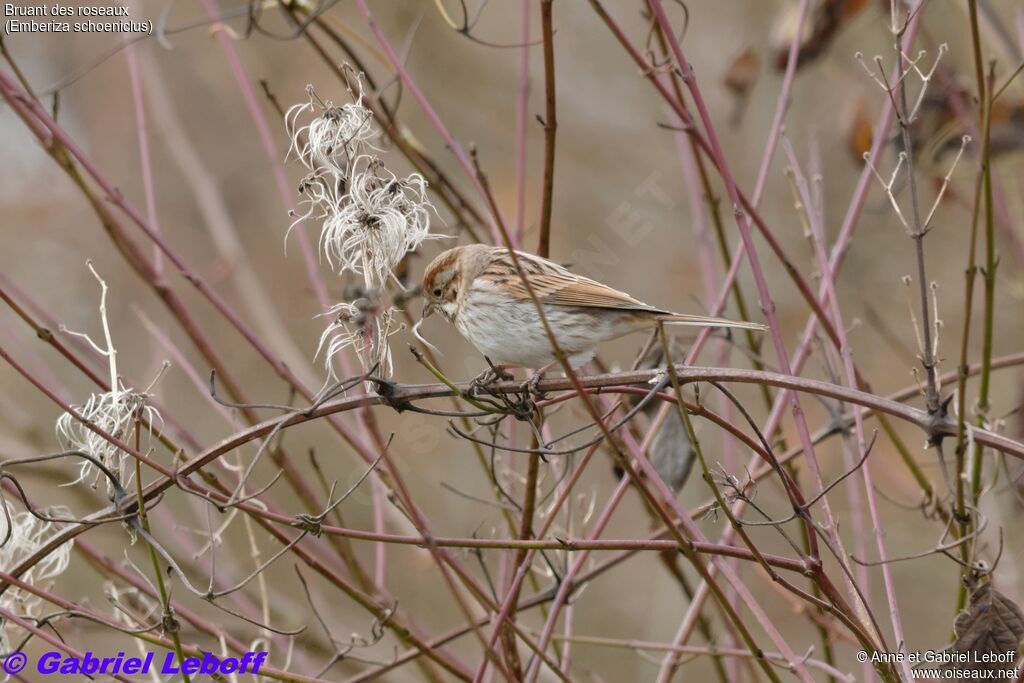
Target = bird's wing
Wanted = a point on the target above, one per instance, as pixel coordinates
(554, 285)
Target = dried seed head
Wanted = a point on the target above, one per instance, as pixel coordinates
(116, 413)
(334, 136)
(370, 218)
(377, 223)
(22, 534)
(350, 328)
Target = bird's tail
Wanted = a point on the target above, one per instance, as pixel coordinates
(707, 321)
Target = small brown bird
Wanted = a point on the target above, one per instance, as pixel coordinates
(478, 288)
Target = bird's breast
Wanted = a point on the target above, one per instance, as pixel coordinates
(509, 330)
(502, 328)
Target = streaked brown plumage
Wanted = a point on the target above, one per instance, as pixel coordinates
(478, 288)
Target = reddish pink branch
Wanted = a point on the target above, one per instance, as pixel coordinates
(743, 222)
(48, 638)
(850, 377)
(144, 158)
(523, 567)
(522, 113)
(782, 104)
(449, 140)
(837, 256)
(316, 278)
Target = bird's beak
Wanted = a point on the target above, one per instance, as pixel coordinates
(428, 308)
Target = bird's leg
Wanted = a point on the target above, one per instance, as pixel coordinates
(491, 375)
(501, 370)
(533, 383)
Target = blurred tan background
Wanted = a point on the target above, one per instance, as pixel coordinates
(215, 186)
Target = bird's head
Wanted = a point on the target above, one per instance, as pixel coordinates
(441, 282)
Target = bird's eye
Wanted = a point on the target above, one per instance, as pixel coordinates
(437, 291)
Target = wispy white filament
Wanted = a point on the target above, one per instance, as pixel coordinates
(348, 329)
(22, 534)
(114, 412)
(334, 136)
(381, 218)
(369, 218)
(421, 338)
(369, 228)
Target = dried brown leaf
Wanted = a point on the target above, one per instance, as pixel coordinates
(825, 19)
(989, 632)
(742, 73)
(860, 133)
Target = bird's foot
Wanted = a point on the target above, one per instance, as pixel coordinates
(488, 377)
(531, 386)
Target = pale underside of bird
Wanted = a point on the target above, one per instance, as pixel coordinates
(479, 289)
